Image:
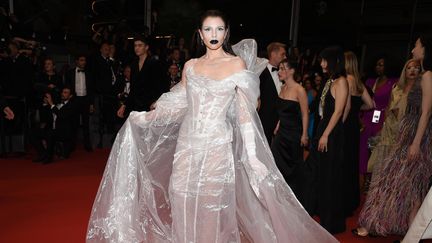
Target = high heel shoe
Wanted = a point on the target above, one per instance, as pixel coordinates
(358, 234)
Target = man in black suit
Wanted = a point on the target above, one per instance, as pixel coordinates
(79, 80)
(8, 113)
(103, 75)
(270, 87)
(64, 123)
(148, 81)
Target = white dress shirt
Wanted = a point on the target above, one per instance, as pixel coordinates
(80, 83)
(59, 106)
(275, 76)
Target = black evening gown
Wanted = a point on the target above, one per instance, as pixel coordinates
(286, 147)
(321, 185)
(351, 151)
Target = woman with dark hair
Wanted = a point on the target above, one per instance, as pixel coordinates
(198, 167)
(373, 120)
(327, 153)
(398, 188)
(291, 130)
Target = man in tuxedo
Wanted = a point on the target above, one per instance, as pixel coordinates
(148, 81)
(64, 123)
(270, 87)
(79, 80)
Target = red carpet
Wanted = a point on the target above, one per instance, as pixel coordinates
(51, 203)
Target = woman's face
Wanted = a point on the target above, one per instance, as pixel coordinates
(412, 70)
(380, 66)
(285, 72)
(213, 32)
(324, 65)
(307, 84)
(418, 51)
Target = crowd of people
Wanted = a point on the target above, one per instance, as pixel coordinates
(93, 95)
(360, 134)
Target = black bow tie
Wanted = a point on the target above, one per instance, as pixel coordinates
(81, 70)
(274, 69)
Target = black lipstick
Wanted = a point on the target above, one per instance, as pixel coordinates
(214, 42)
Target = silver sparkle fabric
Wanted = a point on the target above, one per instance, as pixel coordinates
(198, 169)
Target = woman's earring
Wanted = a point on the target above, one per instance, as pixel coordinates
(202, 42)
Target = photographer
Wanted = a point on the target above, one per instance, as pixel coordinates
(63, 125)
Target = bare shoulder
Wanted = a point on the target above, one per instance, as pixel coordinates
(189, 63)
(426, 81)
(341, 81)
(300, 89)
(427, 75)
(237, 64)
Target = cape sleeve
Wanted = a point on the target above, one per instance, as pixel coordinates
(132, 203)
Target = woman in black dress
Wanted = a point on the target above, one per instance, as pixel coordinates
(291, 130)
(358, 99)
(322, 176)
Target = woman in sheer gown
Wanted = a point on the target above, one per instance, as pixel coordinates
(198, 167)
(292, 128)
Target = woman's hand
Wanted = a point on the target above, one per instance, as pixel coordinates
(322, 144)
(304, 140)
(413, 152)
(120, 111)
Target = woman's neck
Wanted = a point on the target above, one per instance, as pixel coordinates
(289, 82)
(382, 77)
(215, 54)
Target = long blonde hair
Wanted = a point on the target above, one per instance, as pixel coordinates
(351, 67)
(402, 79)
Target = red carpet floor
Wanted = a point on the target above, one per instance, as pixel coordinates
(51, 203)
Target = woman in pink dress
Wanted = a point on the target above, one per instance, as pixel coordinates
(381, 87)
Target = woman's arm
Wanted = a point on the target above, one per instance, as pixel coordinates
(367, 100)
(350, 81)
(341, 93)
(304, 107)
(426, 110)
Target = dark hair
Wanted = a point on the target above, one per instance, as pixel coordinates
(289, 63)
(78, 56)
(197, 47)
(141, 38)
(427, 60)
(104, 43)
(335, 58)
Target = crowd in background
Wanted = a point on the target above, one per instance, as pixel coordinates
(56, 109)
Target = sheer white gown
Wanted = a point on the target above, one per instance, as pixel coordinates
(198, 169)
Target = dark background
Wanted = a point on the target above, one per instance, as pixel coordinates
(384, 27)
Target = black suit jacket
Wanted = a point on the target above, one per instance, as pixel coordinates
(65, 122)
(70, 82)
(17, 76)
(147, 85)
(268, 110)
(100, 70)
